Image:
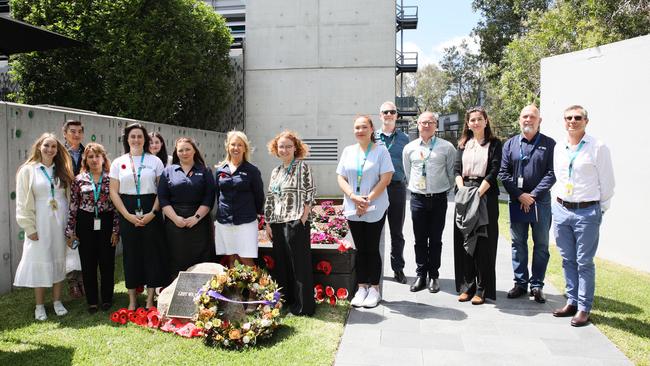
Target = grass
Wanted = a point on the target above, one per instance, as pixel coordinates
(80, 338)
(620, 309)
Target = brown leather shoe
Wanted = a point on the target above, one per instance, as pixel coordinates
(580, 319)
(567, 310)
(478, 300)
(464, 297)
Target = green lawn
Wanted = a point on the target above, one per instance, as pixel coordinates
(621, 305)
(80, 338)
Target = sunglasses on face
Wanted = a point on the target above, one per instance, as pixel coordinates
(573, 118)
(391, 111)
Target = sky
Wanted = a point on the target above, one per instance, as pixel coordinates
(441, 23)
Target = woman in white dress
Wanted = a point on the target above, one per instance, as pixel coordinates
(42, 187)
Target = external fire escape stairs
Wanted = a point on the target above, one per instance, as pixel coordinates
(406, 17)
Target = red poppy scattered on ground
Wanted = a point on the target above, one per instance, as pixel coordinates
(342, 293)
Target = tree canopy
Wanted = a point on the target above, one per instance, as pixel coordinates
(158, 60)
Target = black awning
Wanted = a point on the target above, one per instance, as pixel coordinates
(19, 37)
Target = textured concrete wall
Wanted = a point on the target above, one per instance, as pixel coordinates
(311, 66)
(611, 83)
(21, 125)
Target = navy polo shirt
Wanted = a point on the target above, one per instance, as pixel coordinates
(396, 141)
(536, 168)
(240, 195)
(194, 188)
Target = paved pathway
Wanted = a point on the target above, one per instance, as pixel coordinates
(435, 329)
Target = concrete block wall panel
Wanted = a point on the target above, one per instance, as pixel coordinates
(612, 82)
(21, 125)
(281, 13)
(293, 47)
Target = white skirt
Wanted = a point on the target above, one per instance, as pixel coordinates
(236, 239)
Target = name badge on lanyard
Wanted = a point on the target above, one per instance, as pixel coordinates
(138, 211)
(523, 158)
(97, 190)
(572, 157)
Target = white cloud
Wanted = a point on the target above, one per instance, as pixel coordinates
(423, 58)
(434, 55)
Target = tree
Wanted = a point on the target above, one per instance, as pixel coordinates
(430, 86)
(158, 60)
(466, 73)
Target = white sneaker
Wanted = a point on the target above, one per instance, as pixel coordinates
(359, 297)
(372, 299)
(39, 313)
(59, 309)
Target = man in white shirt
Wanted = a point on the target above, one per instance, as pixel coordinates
(429, 168)
(583, 192)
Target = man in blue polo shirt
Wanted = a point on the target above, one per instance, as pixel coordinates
(394, 140)
(527, 174)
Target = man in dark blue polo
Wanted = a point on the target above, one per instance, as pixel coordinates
(527, 174)
(394, 140)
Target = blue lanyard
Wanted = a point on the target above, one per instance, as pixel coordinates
(573, 155)
(97, 189)
(137, 180)
(384, 138)
(360, 165)
(49, 179)
(424, 160)
(523, 158)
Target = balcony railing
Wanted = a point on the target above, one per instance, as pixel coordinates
(406, 17)
(406, 106)
(406, 61)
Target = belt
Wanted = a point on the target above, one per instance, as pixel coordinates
(473, 178)
(576, 205)
(431, 195)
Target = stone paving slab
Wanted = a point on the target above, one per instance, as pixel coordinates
(435, 329)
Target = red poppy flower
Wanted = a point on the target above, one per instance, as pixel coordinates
(124, 318)
(342, 293)
(133, 318)
(329, 291)
(342, 248)
(152, 309)
(122, 311)
(115, 317)
(222, 175)
(142, 320)
(325, 267)
(153, 321)
(123, 166)
(332, 300)
(319, 297)
(141, 312)
(318, 288)
(139, 289)
(225, 324)
(269, 261)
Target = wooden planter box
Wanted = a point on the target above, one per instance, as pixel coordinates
(343, 270)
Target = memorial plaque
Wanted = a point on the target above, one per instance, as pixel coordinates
(188, 284)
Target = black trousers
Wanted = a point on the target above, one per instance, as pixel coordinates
(477, 273)
(189, 246)
(293, 266)
(366, 236)
(428, 215)
(95, 250)
(396, 211)
(145, 250)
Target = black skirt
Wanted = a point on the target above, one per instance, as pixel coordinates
(145, 251)
(189, 246)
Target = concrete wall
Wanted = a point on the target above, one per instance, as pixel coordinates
(311, 66)
(21, 125)
(611, 82)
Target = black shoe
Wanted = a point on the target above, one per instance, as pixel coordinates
(538, 294)
(106, 306)
(92, 309)
(516, 292)
(434, 285)
(419, 284)
(399, 276)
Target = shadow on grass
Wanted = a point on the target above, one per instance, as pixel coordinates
(627, 324)
(611, 305)
(35, 354)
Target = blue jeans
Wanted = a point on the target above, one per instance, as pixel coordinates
(576, 234)
(519, 234)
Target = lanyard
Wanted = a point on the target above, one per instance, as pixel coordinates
(524, 158)
(287, 173)
(49, 179)
(572, 157)
(360, 165)
(424, 160)
(384, 138)
(137, 179)
(97, 189)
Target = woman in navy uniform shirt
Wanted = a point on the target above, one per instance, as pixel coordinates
(186, 195)
(240, 198)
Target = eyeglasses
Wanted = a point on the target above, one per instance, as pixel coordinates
(573, 118)
(427, 123)
(391, 111)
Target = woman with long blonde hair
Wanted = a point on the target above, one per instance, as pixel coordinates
(42, 188)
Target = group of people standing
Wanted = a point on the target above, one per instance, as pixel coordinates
(160, 206)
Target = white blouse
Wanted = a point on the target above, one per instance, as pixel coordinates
(122, 169)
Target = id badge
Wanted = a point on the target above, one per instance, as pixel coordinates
(569, 189)
(520, 182)
(97, 224)
(421, 183)
(139, 212)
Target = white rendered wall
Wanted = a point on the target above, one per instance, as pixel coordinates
(611, 82)
(311, 66)
(21, 125)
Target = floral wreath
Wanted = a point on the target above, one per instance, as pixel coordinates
(260, 323)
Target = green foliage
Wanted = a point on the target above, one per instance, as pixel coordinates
(430, 86)
(466, 72)
(158, 60)
(568, 26)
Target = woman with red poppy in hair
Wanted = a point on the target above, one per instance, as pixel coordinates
(134, 180)
(289, 200)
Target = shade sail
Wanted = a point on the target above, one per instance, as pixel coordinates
(19, 37)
